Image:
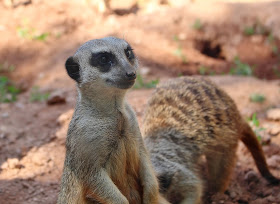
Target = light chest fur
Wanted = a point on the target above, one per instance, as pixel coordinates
(118, 150)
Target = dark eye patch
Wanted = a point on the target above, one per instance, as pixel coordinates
(102, 60)
(129, 53)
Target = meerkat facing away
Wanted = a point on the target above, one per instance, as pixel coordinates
(106, 161)
(187, 118)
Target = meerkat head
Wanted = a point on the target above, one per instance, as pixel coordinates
(103, 64)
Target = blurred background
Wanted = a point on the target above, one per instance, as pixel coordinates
(236, 43)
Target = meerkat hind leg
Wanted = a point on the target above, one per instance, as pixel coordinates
(191, 201)
(193, 191)
(187, 186)
(220, 166)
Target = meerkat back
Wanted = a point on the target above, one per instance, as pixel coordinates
(189, 117)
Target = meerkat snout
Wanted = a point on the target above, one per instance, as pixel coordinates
(108, 63)
(131, 75)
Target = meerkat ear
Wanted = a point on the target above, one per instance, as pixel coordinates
(73, 69)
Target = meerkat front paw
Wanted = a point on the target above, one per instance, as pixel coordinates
(124, 201)
(151, 192)
(162, 200)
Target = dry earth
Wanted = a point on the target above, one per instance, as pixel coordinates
(32, 134)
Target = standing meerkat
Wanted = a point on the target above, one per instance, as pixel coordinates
(106, 161)
(185, 119)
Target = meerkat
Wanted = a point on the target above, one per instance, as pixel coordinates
(106, 161)
(186, 118)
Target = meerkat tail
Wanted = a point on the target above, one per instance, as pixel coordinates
(250, 140)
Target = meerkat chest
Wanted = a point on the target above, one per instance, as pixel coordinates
(123, 162)
(125, 148)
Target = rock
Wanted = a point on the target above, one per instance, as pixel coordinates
(16, 3)
(20, 105)
(251, 176)
(116, 4)
(145, 71)
(56, 97)
(278, 197)
(270, 199)
(64, 120)
(257, 39)
(221, 197)
(100, 5)
(5, 115)
(245, 199)
(259, 201)
(274, 131)
(23, 85)
(2, 135)
(39, 158)
(65, 117)
(273, 114)
(265, 138)
(177, 3)
(229, 52)
(12, 163)
(182, 36)
(5, 165)
(25, 184)
(267, 192)
(30, 175)
(232, 194)
(274, 161)
(4, 106)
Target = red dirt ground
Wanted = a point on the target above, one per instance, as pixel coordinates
(32, 134)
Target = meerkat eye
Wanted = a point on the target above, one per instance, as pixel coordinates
(129, 53)
(102, 60)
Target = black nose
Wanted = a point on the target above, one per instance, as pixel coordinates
(131, 75)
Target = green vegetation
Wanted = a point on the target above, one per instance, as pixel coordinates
(8, 92)
(241, 68)
(257, 129)
(260, 29)
(58, 35)
(256, 29)
(276, 71)
(180, 74)
(272, 43)
(141, 84)
(257, 98)
(30, 33)
(255, 120)
(36, 95)
(23, 32)
(6, 67)
(197, 25)
(179, 51)
(41, 37)
(203, 70)
(249, 30)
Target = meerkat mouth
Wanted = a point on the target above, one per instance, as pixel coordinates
(122, 84)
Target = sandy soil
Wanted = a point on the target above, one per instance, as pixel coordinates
(32, 134)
